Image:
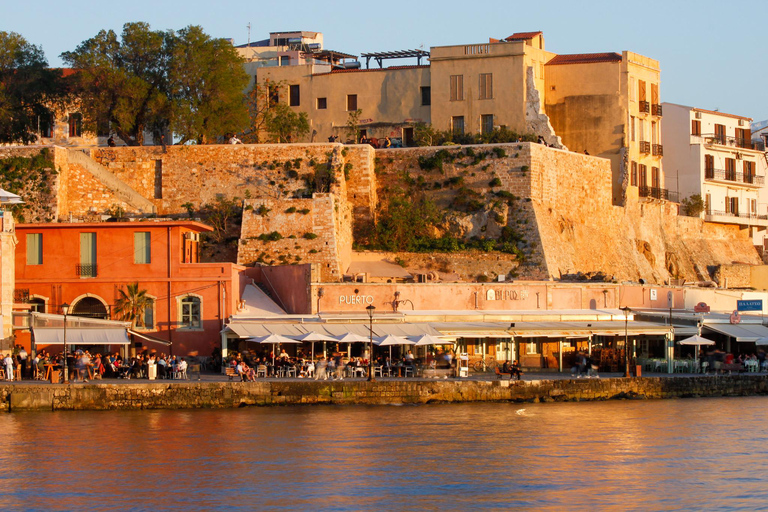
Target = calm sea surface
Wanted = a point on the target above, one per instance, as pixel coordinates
(638, 455)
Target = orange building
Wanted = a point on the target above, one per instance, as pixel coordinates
(86, 264)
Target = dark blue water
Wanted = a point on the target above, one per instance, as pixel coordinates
(632, 455)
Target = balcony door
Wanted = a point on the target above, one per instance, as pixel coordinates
(87, 267)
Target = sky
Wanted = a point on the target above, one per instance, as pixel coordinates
(713, 54)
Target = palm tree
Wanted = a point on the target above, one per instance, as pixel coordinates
(131, 304)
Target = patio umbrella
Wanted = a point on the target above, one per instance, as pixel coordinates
(696, 341)
(352, 338)
(389, 340)
(274, 339)
(9, 198)
(313, 337)
(428, 339)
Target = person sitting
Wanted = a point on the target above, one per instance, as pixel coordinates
(515, 369)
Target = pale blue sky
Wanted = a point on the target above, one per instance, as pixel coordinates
(713, 54)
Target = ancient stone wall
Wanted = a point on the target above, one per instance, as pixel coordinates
(161, 395)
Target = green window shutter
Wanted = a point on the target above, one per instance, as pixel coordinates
(142, 247)
(34, 249)
(88, 248)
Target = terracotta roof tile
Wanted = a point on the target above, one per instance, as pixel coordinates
(585, 58)
(521, 36)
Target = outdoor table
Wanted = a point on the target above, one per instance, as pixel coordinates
(49, 369)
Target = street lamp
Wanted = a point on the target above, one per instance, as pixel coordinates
(65, 310)
(370, 310)
(626, 311)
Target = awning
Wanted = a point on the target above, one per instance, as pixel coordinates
(741, 332)
(80, 336)
(250, 330)
(149, 338)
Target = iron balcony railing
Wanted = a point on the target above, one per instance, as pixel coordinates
(658, 193)
(656, 109)
(734, 176)
(644, 106)
(736, 142)
(720, 213)
(86, 270)
(21, 295)
(658, 150)
(645, 147)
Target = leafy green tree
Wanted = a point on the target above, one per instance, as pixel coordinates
(693, 205)
(131, 304)
(285, 125)
(124, 82)
(353, 125)
(407, 221)
(29, 89)
(207, 80)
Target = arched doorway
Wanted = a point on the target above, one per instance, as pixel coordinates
(90, 307)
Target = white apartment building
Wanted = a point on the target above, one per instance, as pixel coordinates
(712, 154)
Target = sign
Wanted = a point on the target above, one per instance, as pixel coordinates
(735, 317)
(670, 300)
(653, 294)
(701, 307)
(355, 299)
(749, 305)
(492, 294)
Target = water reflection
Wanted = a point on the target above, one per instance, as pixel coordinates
(681, 454)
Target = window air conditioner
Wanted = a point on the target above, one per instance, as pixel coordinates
(697, 115)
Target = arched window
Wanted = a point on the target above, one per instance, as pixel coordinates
(90, 307)
(37, 305)
(190, 313)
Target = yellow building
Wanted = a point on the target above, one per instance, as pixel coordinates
(608, 105)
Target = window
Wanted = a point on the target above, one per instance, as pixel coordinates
(34, 249)
(295, 98)
(457, 87)
(486, 123)
(709, 164)
(486, 86)
(75, 125)
(655, 177)
(148, 318)
(654, 134)
(753, 206)
(531, 348)
(351, 102)
(730, 169)
(285, 60)
(632, 128)
(426, 96)
(87, 266)
(643, 172)
(695, 127)
(457, 125)
(37, 305)
(732, 206)
(633, 177)
(190, 313)
(720, 133)
(749, 172)
(322, 103)
(142, 247)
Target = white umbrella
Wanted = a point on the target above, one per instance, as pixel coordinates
(9, 198)
(313, 337)
(274, 339)
(351, 338)
(428, 339)
(696, 340)
(390, 339)
(761, 341)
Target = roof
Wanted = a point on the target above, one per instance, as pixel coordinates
(585, 58)
(145, 224)
(522, 36)
(80, 336)
(252, 329)
(360, 70)
(715, 112)
(741, 332)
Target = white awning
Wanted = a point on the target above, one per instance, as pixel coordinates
(80, 336)
(250, 330)
(741, 332)
(147, 337)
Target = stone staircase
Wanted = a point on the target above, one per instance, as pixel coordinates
(121, 191)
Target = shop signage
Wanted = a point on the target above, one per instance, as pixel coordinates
(506, 295)
(749, 305)
(355, 299)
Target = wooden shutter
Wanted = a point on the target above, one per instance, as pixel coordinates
(655, 94)
(642, 89)
(34, 249)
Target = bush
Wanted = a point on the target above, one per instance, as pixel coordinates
(495, 182)
(270, 237)
(262, 210)
(292, 209)
(693, 206)
(310, 236)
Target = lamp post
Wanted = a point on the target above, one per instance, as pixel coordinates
(626, 311)
(65, 310)
(370, 310)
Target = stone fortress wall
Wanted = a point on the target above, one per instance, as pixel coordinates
(562, 206)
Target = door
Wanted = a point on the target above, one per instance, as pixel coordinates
(408, 137)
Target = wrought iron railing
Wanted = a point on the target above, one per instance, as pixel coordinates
(658, 193)
(656, 109)
(734, 176)
(645, 147)
(736, 142)
(658, 150)
(21, 295)
(739, 215)
(86, 270)
(644, 106)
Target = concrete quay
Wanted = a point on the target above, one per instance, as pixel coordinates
(124, 395)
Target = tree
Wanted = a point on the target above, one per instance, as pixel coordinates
(124, 82)
(285, 125)
(353, 125)
(207, 81)
(131, 304)
(693, 205)
(29, 90)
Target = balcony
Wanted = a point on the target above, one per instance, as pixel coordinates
(658, 150)
(645, 147)
(734, 142)
(86, 270)
(750, 219)
(644, 106)
(658, 193)
(21, 296)
(656, 109)
(733, 177)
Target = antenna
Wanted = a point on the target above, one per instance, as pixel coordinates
(249, 33)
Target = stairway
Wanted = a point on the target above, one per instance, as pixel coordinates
(121, 190)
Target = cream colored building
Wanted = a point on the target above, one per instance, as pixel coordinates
(608, 104)
(713, 156)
